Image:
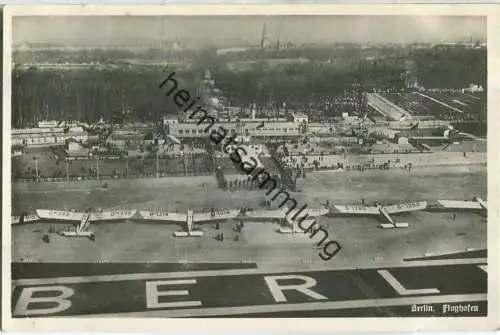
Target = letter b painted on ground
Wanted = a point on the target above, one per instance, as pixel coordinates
(55, 303)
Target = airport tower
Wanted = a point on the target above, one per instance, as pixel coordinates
(263, 37)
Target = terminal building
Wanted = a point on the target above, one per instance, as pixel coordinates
(256, 127)
(39, 137)
(277, 130)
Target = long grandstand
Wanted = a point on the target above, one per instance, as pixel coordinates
(453, 106)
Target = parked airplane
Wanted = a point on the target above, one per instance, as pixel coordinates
(384, 211)
(85, 219)
(24, 219)
(475, 204)
(190, 218)
(281, 215)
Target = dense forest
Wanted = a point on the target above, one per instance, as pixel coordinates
(91, 93)
(452, 67)
(438, 67)
(304, 82)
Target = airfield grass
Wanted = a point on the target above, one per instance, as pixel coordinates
(362, 241)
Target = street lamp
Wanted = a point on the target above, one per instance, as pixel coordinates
(36, 158)
(97, 166)
(67, 169)
(157, 174)
(126, 160)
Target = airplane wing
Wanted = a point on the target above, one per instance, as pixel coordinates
(282, 213)
(356, 209)
(454, 204)
(407, 207)
(163, 216)
(27, 219)
(311, 212)
(50, 214)
(112, 215)
(222, 214)
(267, 214)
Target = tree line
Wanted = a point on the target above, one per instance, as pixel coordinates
(90, 94)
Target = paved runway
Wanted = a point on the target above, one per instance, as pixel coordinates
(242, 290)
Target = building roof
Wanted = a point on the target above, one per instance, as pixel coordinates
(254, 141)
(299, 114)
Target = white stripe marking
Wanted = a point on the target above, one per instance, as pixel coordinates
(440, 102)
(401, 289)
(311, 306)
(231, 272)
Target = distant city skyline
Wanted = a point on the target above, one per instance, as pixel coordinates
(245, 30)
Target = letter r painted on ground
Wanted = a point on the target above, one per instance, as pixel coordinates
(305, 287)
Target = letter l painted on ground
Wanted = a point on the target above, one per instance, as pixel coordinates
(396, 285)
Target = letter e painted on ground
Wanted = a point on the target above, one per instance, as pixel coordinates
(277, 290)
(57, 303)
(152, 294)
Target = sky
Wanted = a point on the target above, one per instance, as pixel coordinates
(132, 30)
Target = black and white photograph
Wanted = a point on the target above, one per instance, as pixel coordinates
(276, 166)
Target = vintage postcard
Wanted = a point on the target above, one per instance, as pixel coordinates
(185, 167)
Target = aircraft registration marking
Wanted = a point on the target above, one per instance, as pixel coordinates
(409, 205)
(121, 212)
(356, 208)
(219, 212)
(60, 213)
(160, 214)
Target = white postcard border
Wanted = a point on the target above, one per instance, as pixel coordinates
(292, 324)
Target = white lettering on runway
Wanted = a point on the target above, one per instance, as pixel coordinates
(277, 290)
(401, 289)
(152, 294)
(26, 298)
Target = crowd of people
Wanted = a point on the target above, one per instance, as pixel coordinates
(340, 163)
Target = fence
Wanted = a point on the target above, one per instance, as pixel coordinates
(107, 177)
(114, 168)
